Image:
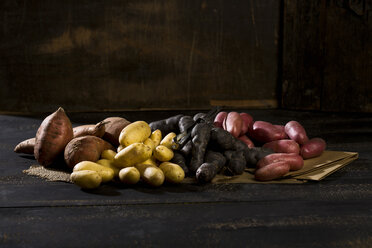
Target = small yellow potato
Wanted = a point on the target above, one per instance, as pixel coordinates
(142, 167)
(167, 141)
(86, 179)
(109, 164)
(163, 153)
(156, 136)
(129, 175)
(135, 132)
(151, 161)
(153, 176)
(173, 172)
(149, 143)
(108, 154)
(106, 173)
(120, 147)
(132, 154)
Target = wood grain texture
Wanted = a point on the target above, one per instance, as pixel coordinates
(110, 55)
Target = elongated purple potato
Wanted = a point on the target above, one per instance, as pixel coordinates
(313, 148)
(296, 132)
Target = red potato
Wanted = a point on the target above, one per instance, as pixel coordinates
(272, 171)
(283, 146)
(219, 119)
(313, 148)
(233, 124)
(113, 127)
(85, 148)
(26, 146)
(247, 122)
(294, 160)
(52, 136)
(296, 132)
(94, 130)
(264, 132)
(282, 129)
(246, 140)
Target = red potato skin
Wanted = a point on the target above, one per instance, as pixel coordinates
(313, 148)
(233, 124)
(85, 148)
(294, 160)
(219, 119)
(265, 132)
(246, 140)
(283, 146)
(296, 132)
(272, 171)
(94, 130)
(247, 122)
(52, 136)
(282, 130)
(26, 146)
(113, 127)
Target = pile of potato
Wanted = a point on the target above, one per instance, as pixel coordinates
(112, 149)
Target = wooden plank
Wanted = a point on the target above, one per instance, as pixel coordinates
(110, 55)
(303, 54)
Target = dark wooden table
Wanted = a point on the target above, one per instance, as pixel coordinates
(335, 212)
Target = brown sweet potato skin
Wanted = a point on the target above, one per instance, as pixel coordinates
(113, 127)
(85, 148)
(94, 130)
(52, 136)
(26, 146)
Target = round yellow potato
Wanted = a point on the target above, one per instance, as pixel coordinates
(151, 161)
(106, 173)
(132, 154)
(168, 140)
(142, 167)
(120, 147)
(86, 179)
(173, 172)
(135, 132)
(153, 176)
(156, 137)
(163, 153)
(109, 164)
(108, 154)
(149, 143)
(129, 175)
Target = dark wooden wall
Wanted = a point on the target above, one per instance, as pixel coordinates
(137, 54)
(327, 55)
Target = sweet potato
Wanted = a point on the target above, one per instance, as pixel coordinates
(233, 124)
(52, 136)
(247, 122)
(86, 148)
(167, 125)
(296, 132)
(264, 132)
(113, 127)
(283, 146)
(94, 130)
(219, 119)
(313, 148)
(26, 146)
(294, 160)
(272, 171)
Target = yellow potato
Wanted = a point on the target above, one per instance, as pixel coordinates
(163, 154)
(86, 179)
(168, 140)
(153, 176)
(156, 137)
(142, 167)
(151, 161)
(135, 132)
(129, 175)
(106, 173)
(109, 164)
(120, 147)
(173, 172)
(132, 154)
(108, 154)
(150, 143)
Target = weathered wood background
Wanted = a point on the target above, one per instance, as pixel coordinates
(119, 55)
